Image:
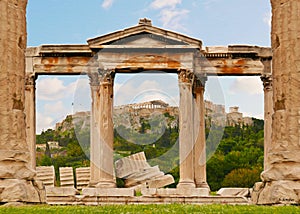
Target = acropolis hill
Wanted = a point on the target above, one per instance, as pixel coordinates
(130, 115)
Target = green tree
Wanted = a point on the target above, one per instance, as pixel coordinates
(242, 177)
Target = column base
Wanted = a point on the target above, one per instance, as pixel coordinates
(106, 184)
(276, 192)
(102, 184)
(202, 185)
(186, 185)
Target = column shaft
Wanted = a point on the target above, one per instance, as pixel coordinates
(268, 112)
(17, 177)
(107, 179)
(281, 180)
(199, 135)
(186, 142)
(30, 118)
(94, 130)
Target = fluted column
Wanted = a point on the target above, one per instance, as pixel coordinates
(16, 174)
(95, 130)
(106, 130)
(268, 112)
(199, 134)
(281, 181)
(30, 117)
(186, 140)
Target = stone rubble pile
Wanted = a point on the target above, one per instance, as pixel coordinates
(136, 171)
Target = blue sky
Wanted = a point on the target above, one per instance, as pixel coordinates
(215, 22)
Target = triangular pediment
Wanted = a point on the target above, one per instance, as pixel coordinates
(146, 39)
(144, 35)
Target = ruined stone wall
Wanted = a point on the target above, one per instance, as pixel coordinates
(16, 177)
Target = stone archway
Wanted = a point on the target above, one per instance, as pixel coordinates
(135, 49)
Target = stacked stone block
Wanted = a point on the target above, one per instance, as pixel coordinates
(83, 176)
(46, 174)
(66, 176)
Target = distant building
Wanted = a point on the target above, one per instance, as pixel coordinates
(234, 117)
(52, 145)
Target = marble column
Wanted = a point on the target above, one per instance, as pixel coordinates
(95, 130)
(268, 112)
(16, 174)
(30, 117)
(106, 129)
(186, 140)
(281, 181)
(199, 150)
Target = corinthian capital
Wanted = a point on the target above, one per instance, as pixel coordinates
(30, 79)
(94, 79)
(267, 81)
(107, 76)
(186, 76)
(199, 83)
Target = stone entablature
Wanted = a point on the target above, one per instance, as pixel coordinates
(144, 48)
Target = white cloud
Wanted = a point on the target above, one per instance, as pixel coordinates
(53, 89)
(82, 96)
(268, 18)
(54, 98)
(172, 18)
(248, 85)
(43, 122)
(141, 89)
(159, 4)
(57, 108)
(208, 4)
(170, 15)
(107, 3)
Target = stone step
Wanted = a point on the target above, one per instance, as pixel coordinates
(234, 192)
(175, 192)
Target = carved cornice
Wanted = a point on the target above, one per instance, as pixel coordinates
(267, 81)
(186, 76)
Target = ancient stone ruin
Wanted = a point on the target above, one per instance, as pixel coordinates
(137, 173)
(281, 178)
(145, 47)
(182, 55)
(17, 177)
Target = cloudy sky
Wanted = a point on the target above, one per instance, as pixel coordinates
(215, 22)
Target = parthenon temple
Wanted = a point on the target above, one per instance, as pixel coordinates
(145, 47)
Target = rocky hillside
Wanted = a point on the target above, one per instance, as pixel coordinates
(154, 116)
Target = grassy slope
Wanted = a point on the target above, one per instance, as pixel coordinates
(144, 209)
